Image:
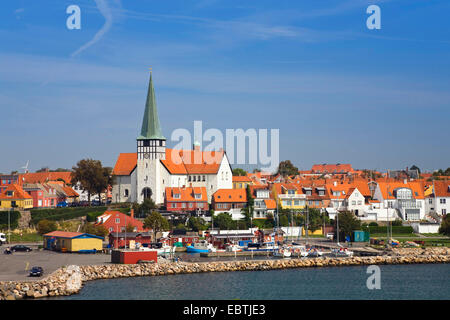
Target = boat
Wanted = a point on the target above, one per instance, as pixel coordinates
(161, 249)
(233, 248)
(266, 246)
(201, 246)
(341, 252)
(283, 252)
(299, 251)
(314, 252)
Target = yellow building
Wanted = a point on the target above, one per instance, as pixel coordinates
(289, 196)
(15, 197)
(72, 242)
(318, 232)
(241, 182)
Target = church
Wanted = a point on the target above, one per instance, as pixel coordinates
(154, 168)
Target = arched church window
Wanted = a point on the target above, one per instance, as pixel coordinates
(147, 193)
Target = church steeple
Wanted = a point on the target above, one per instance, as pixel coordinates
(151, 144)
(150, 123)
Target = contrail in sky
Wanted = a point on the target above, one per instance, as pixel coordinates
(106, 12)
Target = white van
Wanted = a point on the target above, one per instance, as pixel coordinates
(2, 238)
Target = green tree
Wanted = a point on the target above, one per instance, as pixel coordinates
(223, 221)
(93, 177)
(348, 223)
(46, 226)
(239, 172)
(99, 230)
(197, 224)
(315, 219)
(156, 222)
(145, 207)
(286, 168)
(445, 225)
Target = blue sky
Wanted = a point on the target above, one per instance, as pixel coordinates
(338, 92)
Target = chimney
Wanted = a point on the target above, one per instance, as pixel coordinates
(132, 213)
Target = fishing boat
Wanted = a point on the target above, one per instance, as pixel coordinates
(341, 252)
(201, 246)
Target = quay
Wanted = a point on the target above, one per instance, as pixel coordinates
(236, 254)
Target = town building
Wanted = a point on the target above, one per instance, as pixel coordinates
(241, 182)
(72, 242)
(116, 221)
(153, 168)
(186, 199)
(13, 196)
(231, 201)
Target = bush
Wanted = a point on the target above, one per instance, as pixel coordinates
(14, 217)
(46, 226)
(373, 224)
(395, 229)
(58, 214)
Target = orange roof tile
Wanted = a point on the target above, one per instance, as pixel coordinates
(125, 164)
(43, 177)
(270, 203)
(416, 188)
(186, 194)
(18, 193)
(230, 195)
(63, 234)
(241, 179)
(442, 188)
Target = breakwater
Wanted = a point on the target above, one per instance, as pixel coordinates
(69, 280)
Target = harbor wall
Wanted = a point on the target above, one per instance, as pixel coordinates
(69, 280)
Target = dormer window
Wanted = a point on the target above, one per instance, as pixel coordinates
(198, 196)
(176, 195)
(9, 193)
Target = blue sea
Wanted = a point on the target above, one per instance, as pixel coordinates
(419, 281)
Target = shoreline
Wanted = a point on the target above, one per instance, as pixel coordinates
(69, 280)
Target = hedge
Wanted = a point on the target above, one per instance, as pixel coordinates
(14, 217)
(58, 214)
(395, 229)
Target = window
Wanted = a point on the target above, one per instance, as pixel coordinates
(189, 178)
(198, 196)
(177, 195)
(359, 202)
(442, 201)
(9, 193)
(173, 205)
(126, 193)
(110, 229)
(200, 205)
(291, 191)
(204, 178)
(444, 211)
(183, 205)
(191, 205)
(430, 201)
(117, 220)
(194, 178)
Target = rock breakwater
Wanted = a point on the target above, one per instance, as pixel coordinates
(69, 280)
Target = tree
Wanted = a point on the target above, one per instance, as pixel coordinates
(146, 207)
(197, 224)
(445, 225)
(129, 228)
(239, 172)
(99, 230)
(286, 168)
(46, 226)
(348, 223)
(414, 167)
(92, 176)
(223, 221)
(315, 219)
(156, 222)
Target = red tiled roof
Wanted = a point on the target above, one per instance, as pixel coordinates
(125, 164)
(442, 188)
(332, 168)
(416, 188)
(43, 177)
(241, 179)
(270, 203)
(63, 234)
(18, 193)
(186, 194)
(230, 195)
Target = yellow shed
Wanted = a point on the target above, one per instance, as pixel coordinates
(72, 242)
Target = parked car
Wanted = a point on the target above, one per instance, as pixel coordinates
(2, 238)
(61, 204)
(36, 272)
(20, 247)
(96, 203)
(330, 236)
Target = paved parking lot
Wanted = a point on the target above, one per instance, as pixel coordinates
(16, 266)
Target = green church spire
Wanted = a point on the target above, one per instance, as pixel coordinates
(150, 123)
